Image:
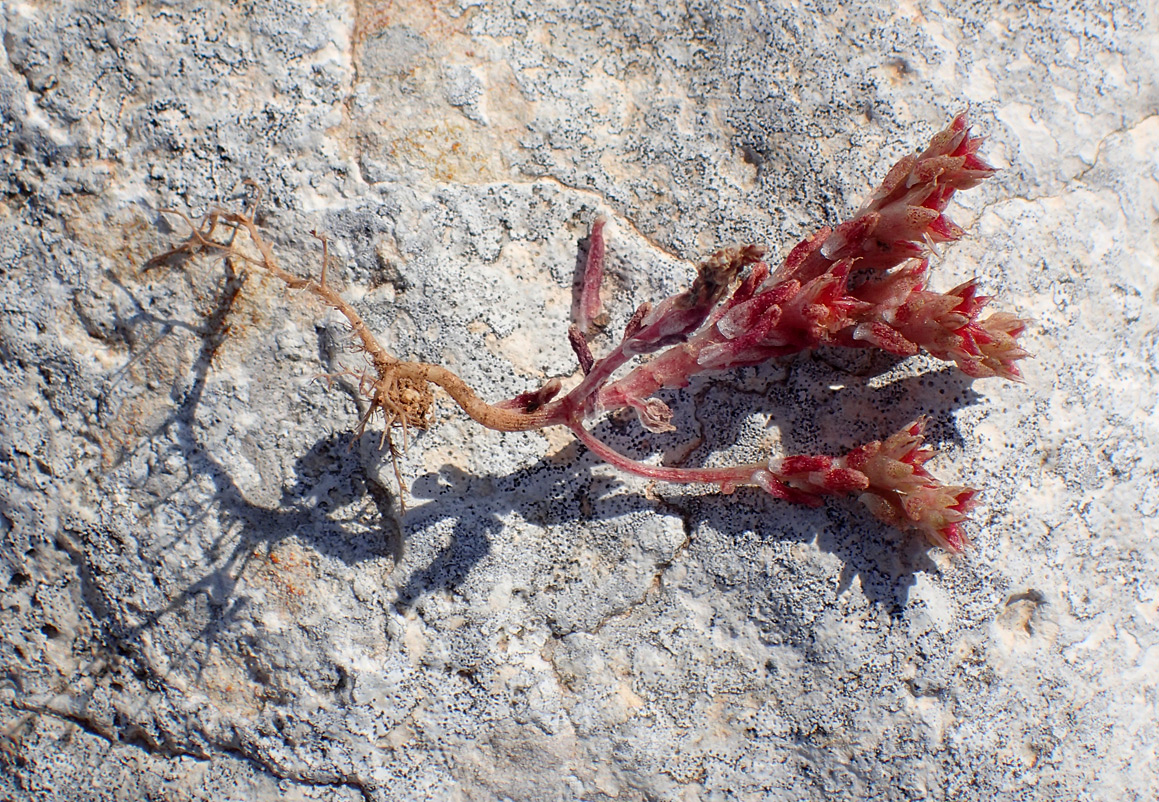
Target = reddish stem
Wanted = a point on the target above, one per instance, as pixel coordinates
(588, 308)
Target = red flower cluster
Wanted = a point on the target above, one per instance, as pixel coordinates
(862, 284)
(891, 481)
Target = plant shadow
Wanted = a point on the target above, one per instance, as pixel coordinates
(557, 490)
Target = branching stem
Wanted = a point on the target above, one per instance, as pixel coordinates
(739, 312)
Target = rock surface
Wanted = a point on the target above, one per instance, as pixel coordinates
(206, 593)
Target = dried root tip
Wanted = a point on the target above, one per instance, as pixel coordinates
(325, 256)
(200, 239)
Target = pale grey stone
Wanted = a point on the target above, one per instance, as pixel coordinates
(206, 592)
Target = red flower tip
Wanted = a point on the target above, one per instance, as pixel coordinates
(947, 326)
(902, 493)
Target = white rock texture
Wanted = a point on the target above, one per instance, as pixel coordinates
(206, 593)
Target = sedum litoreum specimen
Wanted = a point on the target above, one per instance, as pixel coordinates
(859, 285)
